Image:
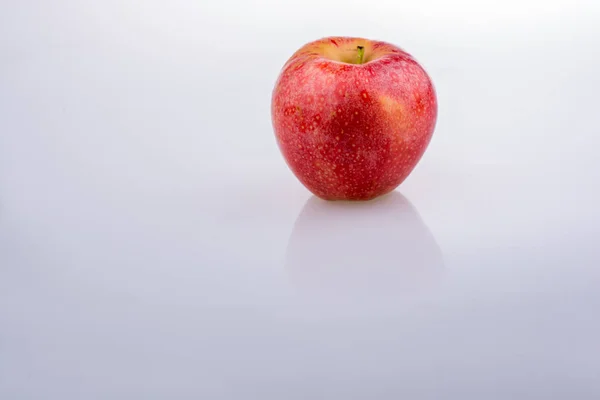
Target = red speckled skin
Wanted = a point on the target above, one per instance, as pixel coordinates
(352, 131)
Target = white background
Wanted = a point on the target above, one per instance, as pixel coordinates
(154, 245)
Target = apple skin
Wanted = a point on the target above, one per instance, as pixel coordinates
(351, 126)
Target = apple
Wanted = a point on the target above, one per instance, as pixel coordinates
(352, 117)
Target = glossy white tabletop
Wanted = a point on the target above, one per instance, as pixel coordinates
(154, 245)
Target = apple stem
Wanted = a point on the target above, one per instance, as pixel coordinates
(361, 53)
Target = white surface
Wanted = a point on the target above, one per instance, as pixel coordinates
(153, 244)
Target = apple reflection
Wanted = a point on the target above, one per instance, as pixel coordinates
(380, 248)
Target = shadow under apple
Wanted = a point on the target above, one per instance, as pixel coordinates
(357, 250)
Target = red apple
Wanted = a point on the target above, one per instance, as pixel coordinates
(352, 116)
